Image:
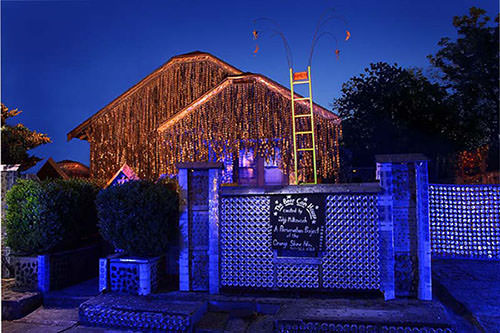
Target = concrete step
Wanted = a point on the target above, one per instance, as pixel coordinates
(396, 315)
(141, 313)
(17, 304)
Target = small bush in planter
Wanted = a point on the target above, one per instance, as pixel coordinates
(139, 217)
(43, 217)
(32, 224)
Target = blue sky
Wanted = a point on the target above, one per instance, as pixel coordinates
(62, 61)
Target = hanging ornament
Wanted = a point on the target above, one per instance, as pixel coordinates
(347, 35)
(256, 49)
(337, 53)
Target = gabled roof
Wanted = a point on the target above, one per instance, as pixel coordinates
(79, 131)
(50, 169)
(74, 168)
(63, 169)
(125, 173)
(276, 87)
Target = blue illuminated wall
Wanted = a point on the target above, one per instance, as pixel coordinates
(465, 220)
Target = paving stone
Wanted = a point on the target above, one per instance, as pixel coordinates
(19, 327)
(51, 317)
(73, 296)
(473, 284)
(237, 325)
(212, 322)
(262, 324)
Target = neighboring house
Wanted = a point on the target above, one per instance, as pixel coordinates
(62, 170)
(196, 107)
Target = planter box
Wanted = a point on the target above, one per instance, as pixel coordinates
(57, 270)
(25, 272)
(131, 275)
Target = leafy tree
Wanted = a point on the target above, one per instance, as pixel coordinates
(17, 140)
(388, 109)
(468, 68)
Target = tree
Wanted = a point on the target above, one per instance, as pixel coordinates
(389, 109)
(468, 68)
(17, 140)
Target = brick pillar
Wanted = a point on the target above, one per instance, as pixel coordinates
(199, 226)
(405, 178)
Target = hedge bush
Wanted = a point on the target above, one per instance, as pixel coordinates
(48, 216)
(78, 211)
(139, 217)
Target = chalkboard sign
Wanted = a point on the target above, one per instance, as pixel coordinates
(297, 222)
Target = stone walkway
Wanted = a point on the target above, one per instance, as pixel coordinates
(470, 289)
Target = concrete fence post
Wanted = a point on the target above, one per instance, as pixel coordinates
(423, 230)
(384, 174)
(214, 179)
(199, 226)
(183, 231)
(405, 180)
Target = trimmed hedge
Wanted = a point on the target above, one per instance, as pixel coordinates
(139, 217)
(43, 217)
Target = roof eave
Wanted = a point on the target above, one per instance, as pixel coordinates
(79, 131)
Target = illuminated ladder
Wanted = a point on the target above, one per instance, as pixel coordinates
(303, 78)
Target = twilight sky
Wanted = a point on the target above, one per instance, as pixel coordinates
(62, 61)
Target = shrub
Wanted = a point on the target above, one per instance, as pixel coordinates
(31, 222)
(76, 207)
(49, 216)
(139, 217)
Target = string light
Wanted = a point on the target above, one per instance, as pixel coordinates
(247, 113)
(250, 112)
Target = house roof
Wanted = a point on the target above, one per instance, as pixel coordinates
(74, 168)
(64, 169)
(51, 169)
(79, 131)
(317, 109)
(236, 76)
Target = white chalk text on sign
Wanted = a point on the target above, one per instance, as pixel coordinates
(297, 222)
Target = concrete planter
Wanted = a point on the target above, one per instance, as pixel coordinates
(131, 275)
(56, 270)
(25, 272)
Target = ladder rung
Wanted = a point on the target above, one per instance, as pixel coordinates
(300, 82)
(302, 115)
(304, 149)
(301, 98)
(304, 132)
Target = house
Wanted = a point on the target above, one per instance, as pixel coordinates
(62, 170)
(197, 107)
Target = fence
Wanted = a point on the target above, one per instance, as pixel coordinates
(356, 237)
(465, 220)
